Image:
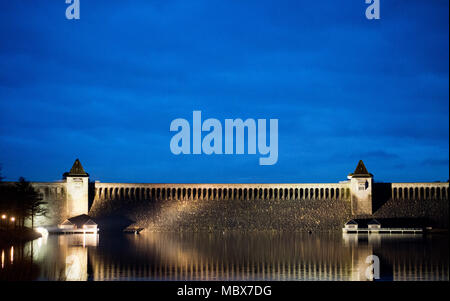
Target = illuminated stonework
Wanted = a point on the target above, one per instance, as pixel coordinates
(361, 186)
(292, 204)
(77, 190)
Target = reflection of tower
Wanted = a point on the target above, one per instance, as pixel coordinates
(76, 255)
(359, 262)
(361, 248)
(361, 183)
(77, 184)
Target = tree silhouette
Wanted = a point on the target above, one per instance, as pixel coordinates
(28, 203)
(36, 207)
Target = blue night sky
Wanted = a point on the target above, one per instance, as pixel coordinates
(106, 87)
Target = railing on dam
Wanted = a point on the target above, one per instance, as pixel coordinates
(121, 191)
(105, 191)
(420, 191)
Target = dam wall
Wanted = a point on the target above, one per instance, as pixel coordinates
(243, 207)
(263, 207)
(222, 207)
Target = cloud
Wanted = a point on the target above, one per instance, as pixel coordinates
(435, 162)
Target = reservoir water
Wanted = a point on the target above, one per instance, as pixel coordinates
(226, 256)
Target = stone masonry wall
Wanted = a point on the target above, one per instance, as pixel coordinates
(227, 215)
(271, 214)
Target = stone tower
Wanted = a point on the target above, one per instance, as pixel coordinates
(361, 186)
(77, 186)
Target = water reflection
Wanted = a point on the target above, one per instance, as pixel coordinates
(229, 256)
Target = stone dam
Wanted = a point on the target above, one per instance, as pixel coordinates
(242, 207)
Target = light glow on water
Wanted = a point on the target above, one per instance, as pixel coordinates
(236, 256)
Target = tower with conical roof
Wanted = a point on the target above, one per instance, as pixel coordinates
(77, 187)
(361, 187)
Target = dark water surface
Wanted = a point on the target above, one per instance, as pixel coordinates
(229, 256)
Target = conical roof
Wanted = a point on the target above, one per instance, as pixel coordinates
(76, 170)
(361, 170)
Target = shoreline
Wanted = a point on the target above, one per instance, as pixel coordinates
(15, 236)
